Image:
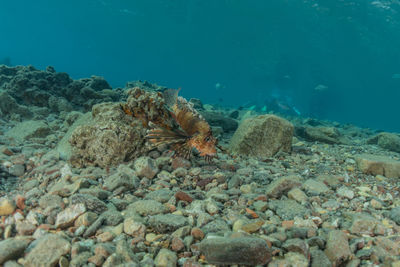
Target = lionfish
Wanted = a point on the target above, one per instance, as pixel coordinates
(188, 131)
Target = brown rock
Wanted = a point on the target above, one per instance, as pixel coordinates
(337, 248)
(378, 165)
(180, 195)
(262, 136)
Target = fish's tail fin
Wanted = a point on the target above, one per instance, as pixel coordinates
(159, 135)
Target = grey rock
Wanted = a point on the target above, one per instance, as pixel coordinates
(337, 247)
(17, 169)
(288, 209)
(297, 245)
(91, 203)
(147, 207)
(161, 195)
(319, 258)
(166, 258)
(124, 177)
(378, 165)
(165, 223)
(93, 228)
(262, 136)
(50, 200)
(67, 217)
(112, 217)
(109, 138)
(315, 187)
(29, 129)
(243, 250)
(329, 135)
(217, 119)
(146, 167)
(395, 215)
(12, 248)
(389, 141)
(282, 185)
(48, 251)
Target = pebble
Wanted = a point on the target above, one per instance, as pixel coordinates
(242, 250)
(7, 206)
(12, 248)
(49, 249)
(146, 167)
(67, 217)
(337, 247)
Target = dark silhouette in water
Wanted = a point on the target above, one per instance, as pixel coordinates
(5, 61)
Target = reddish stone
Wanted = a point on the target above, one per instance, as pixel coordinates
(197, 233)
(177, 244)
(288, 224)
(180, 195)
(178, 162)
(20, 201)
(97, 260)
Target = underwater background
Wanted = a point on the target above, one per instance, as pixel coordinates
(336, 60)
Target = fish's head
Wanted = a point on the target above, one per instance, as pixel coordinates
(205, 145)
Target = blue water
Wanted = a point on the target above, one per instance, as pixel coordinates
(251, 49)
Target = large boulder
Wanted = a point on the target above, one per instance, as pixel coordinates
(389, 141)
(262, 136)
(29, 129)
(378, 165)
(323, 134)
(110, 137)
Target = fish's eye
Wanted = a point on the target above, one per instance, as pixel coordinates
(207, 138)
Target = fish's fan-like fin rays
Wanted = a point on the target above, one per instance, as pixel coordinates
(160, 136)
(191, 123)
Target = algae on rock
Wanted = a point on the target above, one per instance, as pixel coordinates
(262, 136)
(108, 139)
(116, 131)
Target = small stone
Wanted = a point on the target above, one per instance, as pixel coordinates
(345, 192)
(177, 244)
(298, 195)
(7, 206)
(125, 178)
(315, 187)
(147, 207)
(337, 247)
(242, 250)
(297, 245)
(164, 223)
(91, 203)
(17, 169)
(260, 206)
(252, 227)
(197, 233)
(67, 217)
(86, 219)
(97, 260)
(134, 228)
(105, 237)
(282, 185)
(48, 251)
(180, 195)
(25, 228)
(179, 162)
(146, 167)
(63, 262)
(165, 258)
(12, 249)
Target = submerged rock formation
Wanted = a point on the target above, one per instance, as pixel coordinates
(109, 138)
(262, 136)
